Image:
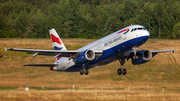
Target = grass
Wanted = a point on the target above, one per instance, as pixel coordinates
(7, 88)
(91, 95)
(48, 88)
(162, 71)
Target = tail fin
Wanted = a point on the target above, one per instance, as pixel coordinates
(56, 41)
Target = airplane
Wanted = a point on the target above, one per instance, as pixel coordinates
(121, 45)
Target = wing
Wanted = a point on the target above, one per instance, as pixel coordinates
(160, 51)
(46, 52)
(55, 53)
(154, 52)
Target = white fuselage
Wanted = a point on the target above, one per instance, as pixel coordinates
(125, 38)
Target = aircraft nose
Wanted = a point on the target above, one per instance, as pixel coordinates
(146, 33)
(145, 36)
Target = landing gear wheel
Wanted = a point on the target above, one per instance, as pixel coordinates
(124, 71)
(81, 71)
(119, 71)
(86, 72)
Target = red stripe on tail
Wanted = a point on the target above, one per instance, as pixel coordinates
(55, 39)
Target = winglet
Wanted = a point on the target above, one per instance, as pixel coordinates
(5, 49)
(173, 50)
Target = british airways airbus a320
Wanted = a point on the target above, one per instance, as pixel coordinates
(121, 45)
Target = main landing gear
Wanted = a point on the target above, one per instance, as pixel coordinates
(83, 70)
(121, 70)
(135, 50)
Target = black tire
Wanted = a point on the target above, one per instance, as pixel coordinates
(119, 71)
(86, 72)
(81, 71)
(124, 71)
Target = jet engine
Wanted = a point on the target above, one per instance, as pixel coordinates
(85, 57)
(141, 57)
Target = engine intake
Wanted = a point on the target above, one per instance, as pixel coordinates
(85, 57)
(90, 55)
(143, 56)
(147, 55)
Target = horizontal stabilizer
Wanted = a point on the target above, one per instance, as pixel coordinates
(41, 65)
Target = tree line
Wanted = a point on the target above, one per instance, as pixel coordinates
(87, 18)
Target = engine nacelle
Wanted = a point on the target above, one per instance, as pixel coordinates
(85, 57)
(142, 56)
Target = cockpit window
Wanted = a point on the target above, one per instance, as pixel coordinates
(140, 28)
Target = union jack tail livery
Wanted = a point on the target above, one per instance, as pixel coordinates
(56, 41)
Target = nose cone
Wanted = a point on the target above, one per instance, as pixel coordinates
(146, 33)
(145, 36)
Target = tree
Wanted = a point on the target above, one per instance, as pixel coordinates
(171, 17)
(158, 16)
(145, 18)
(176, 31)
(87, 18)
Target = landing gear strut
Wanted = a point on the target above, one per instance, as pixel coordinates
(135, 50)
(121, 70)
(83, 70)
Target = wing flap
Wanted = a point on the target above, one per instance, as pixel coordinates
(41, 65)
